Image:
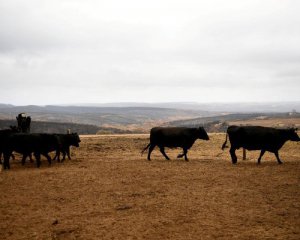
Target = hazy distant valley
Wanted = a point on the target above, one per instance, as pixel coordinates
(140, 117)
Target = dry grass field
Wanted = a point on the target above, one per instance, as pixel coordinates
(109, 191)
(272, 122)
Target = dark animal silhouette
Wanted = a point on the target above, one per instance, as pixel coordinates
(173, 137)
(66, 140)
(4, 134)
(23, 123)
(26, 144)
(258, 138)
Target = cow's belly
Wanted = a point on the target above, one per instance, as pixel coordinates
(265, 146)
(170, 145)
(253, 147)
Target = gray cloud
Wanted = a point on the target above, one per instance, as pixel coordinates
(96, 51)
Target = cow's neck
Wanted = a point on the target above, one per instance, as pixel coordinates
(283, 137)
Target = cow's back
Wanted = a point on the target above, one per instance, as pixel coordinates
(4, 135)
(254, 137)
(22, 143)
(32, 142)
(172, 136)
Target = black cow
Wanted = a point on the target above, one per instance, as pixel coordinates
(258, 138)
(173, 137)
(23, 122)
(26, 144)
(4, 134)
(66, 140)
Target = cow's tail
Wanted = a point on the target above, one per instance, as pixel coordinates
(145, 149)
(224, 144)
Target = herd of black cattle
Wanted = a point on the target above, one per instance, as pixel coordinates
(247, 137)
(12, 140)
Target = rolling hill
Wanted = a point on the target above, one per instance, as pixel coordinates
(140, 117)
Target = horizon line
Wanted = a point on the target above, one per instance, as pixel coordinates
(149, 103)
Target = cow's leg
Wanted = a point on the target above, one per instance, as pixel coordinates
(24, 158)
(233, 156)
(64, 155)
(180, 155)
(150, 151)
(185, 154)
(262, 152)
(38, 159)
(57, 156)
(277, 156)
(30, 158)
(48, 158)
(6, 160)
(68, 153)
(162, 150)
(13, 157)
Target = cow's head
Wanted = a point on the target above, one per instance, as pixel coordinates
(74, 139)
(292, 134)
(203, 134)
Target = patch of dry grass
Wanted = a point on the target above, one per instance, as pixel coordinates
(273, 122)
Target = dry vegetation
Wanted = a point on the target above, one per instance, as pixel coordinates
(273, 122)
(109, 191)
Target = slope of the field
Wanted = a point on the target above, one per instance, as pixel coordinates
(109, 191)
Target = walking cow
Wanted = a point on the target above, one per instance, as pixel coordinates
(66, 141)
(173, 137)
(258, 138)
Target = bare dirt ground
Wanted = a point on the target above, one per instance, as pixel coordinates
(109, 191)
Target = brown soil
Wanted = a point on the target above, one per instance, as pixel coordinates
(109, 191)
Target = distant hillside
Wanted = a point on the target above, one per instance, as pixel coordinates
(100, 116)
(244, 107)
(141, 117)
(220, 123)
(54, 127)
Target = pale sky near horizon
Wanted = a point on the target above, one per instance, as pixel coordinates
(71, 51)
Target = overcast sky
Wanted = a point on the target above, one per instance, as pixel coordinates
(94, 51)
